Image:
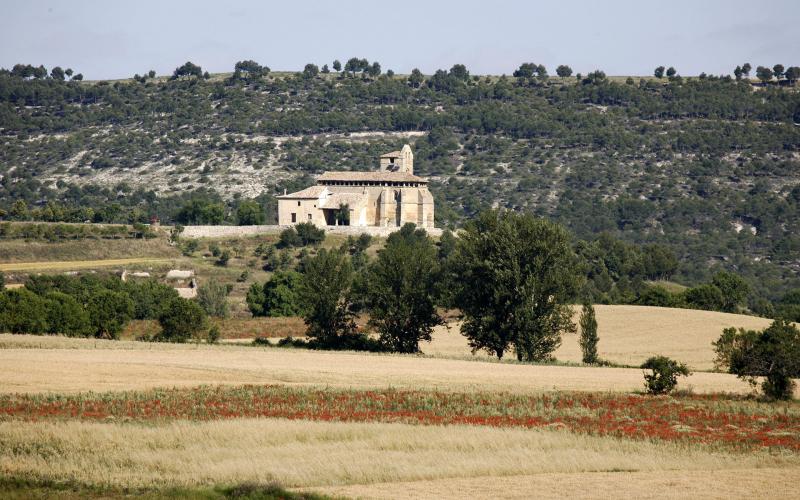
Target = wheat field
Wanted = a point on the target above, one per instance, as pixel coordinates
(322, 455)
(631, 334)
(136, 365)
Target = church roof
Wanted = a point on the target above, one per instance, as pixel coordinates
(392, 154)
(307, 193)
(371, 176)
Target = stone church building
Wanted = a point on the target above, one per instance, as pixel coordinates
(388, 197)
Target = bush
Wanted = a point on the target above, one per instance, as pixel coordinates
(213, 298)
(289, 238)
(224, 257)
(213, 334)
(277, 297)
(773, 353)
(664, 374)
(181, 320)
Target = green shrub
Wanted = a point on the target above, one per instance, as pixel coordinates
(213, 298)
(213, 334)
(664, 373)
(773, 354)
(181, 320)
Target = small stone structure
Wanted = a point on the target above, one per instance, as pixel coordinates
(387, 198)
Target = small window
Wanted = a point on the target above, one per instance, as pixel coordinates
(298, 203)
(309, 216)
(294, 217)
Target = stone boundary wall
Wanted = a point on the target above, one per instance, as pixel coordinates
(229, 231)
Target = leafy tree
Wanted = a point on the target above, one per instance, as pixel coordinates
(22, 311)
(310, 234)
(671, 72)
(78, 77)
(792, 74)
(109, 312)
(310, 71)
(738, 73)
(746, 69)
(403, 289)
(249, 70)
(589, 336)
(181, 320)
(201, 211)
(517, 273)
(249, 213)
(255, 299)
(325, 291)
(279, 296)
(459, 71)
(416, 78)
(375, 69)
(2, 281)
(66, 316)
(325, 69)
(659, 72)
(707, 297)
(764, 74)
(337, 66)
(289, 238)
(664, 373)
(57, 73)
(224, 257)
(188, 69)
(734, 290)
(564, 71)
(151, 74)
(213, 298)
(778, 71)
(773, 353)
(149, 297)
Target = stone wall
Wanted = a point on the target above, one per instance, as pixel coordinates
(234, 231)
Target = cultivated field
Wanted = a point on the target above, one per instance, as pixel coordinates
(393, 426)
(631, 334)
(87, 364)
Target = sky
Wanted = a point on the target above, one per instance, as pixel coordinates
(116, 39)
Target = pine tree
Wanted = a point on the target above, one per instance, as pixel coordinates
(588, 334)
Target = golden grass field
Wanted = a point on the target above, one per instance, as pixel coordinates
(631, 334)
(87, 364)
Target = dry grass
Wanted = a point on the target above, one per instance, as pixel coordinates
(631, 334)
(88, 249)
(70, 265)
(77, 365)
(314, 454)
(684, 484)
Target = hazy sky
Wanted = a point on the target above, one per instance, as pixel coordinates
(115, 39)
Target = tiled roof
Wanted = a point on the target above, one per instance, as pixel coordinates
(307, 193)
(371, 176)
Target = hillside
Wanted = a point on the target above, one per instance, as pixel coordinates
(708, 167)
